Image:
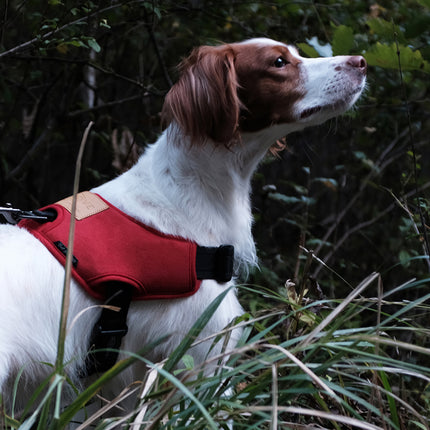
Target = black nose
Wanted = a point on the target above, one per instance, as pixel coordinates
(357, 61)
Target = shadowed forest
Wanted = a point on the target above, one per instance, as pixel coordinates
(333, 205)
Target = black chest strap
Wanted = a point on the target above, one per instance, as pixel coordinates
(111, 327)
(106, 337)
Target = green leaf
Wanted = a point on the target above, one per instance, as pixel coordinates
(283, 198)
(92, 43)
(343, 40)
(188, 360)
(308, 50)
(404, 257)
(291, 199)
(387, 57)
(328, 182)
(419, 425)
(425, 3)
(417, 26)
(392, 404)
(104, 23)
(76, 43)
(386, 30)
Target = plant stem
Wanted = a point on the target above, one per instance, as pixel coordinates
(69, 258)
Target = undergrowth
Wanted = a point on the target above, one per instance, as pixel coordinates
(302, 362)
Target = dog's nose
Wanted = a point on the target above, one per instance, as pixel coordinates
(357, 61)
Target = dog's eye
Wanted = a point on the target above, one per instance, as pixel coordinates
(281, 62)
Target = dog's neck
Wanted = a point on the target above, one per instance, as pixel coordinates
(199, 192)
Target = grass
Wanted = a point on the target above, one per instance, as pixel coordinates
(297, 365)
(355, 363)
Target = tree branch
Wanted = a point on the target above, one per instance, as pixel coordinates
(157, 50)
(35, 40)
(365, 224)
(364, 183)
(107, 105)
(32, 153)
(96, 66)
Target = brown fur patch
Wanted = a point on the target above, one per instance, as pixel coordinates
(228, 89)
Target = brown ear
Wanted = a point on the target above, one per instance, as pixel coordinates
(204, 102)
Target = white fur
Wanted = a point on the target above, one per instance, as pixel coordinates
(322, 86)
(199, 192)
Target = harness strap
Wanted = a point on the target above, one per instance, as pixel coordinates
(111, 327)
(215, 262)
(109, 330)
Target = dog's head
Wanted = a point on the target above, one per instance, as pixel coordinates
(247, 87)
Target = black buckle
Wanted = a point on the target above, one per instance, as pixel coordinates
(215, 263)
(14, 215)
(224, 263)
(109, 330)
(63, 249)
(115, 332)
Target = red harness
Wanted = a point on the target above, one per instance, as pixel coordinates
(119, 259)
(111, 246)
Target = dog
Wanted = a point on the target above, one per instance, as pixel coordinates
(232, 102)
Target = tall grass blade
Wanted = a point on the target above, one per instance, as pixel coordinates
(356, 292)
(187, 392)
(29, 422)
(69, 258)
(192, 335)
(84, 397)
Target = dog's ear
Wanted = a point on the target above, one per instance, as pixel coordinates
(204, 102)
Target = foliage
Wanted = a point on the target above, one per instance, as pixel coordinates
(341, 201)
(298, 363)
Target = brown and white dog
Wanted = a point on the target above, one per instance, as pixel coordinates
(230, 105)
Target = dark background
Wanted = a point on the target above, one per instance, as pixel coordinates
(354, 190)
